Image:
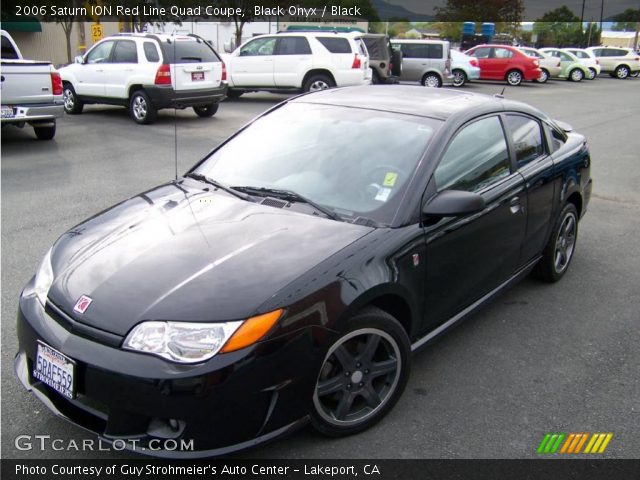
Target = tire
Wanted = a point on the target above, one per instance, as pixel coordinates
(72, 104)
(45, 133)
(375, 77)
(349, 397)
(206, 111)
(592, 74)
(318, 82)
(622, 72)
(459, 78)
(544, 76)
(234, 93)
(576, 75)
(432, 80)
(559, 251)
(141, 109)
(513, 77)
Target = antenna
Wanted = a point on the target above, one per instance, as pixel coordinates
(175, 109)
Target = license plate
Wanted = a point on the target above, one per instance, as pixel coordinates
(197, 76)
(7, 112)
(54, 369)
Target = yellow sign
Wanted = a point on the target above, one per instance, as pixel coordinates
(96, 32)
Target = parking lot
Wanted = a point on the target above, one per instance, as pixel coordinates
(541, 358)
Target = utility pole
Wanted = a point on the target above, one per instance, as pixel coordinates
(582, 25)
(601, 15)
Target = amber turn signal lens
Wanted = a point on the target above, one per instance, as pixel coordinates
(252, 330)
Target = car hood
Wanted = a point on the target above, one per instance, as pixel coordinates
(181, 253)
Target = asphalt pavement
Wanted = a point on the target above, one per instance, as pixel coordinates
(541, 358)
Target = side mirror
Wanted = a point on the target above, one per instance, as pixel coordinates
(79, 59)
(454, 203)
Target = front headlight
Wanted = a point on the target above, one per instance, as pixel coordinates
(188, 342)
(44, 278)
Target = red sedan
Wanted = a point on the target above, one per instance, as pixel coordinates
(502, 62)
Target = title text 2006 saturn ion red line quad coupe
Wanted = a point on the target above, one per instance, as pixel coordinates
(289, 275)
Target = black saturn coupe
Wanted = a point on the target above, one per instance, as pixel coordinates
(290, 274)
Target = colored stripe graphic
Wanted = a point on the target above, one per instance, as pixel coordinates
(572, 443)
(550, 443)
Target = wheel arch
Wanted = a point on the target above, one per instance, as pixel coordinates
(318, 71)
(389, 298)
(427, 72)
(133, 88)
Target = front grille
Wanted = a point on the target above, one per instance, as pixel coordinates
(68, 323)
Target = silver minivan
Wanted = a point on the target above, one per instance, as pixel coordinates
(425, 61)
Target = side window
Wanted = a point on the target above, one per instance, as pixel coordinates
(476, 158)
(125, 51)
(527, 138)
(293, 46)
(502, 53)
(335, 44)
(482, 52)
(564, 57)
(259, 46)
(619, 53)
(101, 53)
(8, 51)
(434, 51)
(150, 52)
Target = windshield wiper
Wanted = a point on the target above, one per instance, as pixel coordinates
(292, 196)
(211, 181)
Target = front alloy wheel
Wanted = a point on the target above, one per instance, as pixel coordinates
(72, 104)
(459, 78)
(592, 74)
(544, 76)
(362, 376)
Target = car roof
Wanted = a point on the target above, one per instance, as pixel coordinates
(438, 103)
(494, 45)
(415, 40)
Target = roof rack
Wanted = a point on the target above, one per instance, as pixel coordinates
(309, 31)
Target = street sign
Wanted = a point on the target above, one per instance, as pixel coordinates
(96, 32)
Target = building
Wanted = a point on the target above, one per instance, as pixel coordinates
(612, 38)
(40, 40)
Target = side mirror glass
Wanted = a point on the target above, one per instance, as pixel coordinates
(454, 203)
(79, 59)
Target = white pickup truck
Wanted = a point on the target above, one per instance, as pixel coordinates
(31, 91)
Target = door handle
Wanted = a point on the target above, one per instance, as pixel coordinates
(515, 206)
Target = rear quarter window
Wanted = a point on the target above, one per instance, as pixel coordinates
(188, 51)
(151, 52)
(8, 51)
(335, 45)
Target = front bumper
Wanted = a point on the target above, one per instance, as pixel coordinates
(166, 97)
(34, 113)
(231, 402)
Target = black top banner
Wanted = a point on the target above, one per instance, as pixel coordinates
(511, 11)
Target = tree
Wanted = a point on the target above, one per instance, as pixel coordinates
(627, 20)
(559, 28)
(67, 21)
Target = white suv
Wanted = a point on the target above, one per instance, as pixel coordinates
(298, 61)
(147, 72)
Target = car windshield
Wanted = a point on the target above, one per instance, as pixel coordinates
(355, 162)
